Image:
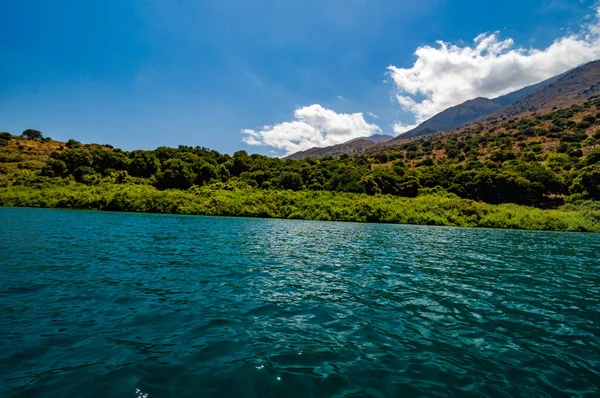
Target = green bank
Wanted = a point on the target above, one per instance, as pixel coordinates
(429, 208)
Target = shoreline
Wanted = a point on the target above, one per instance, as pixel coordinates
(431, 209)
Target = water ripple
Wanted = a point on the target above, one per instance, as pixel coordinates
(135, 305)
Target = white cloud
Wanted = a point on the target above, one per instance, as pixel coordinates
(448, 74)
(400, 127)
(314, 126)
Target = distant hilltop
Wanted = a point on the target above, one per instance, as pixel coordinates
(565, 89)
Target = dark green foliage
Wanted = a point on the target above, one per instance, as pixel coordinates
(503, 166)
(106, 161)
(573, 137)
(83, 171)
(529, 156)
(55, 168)
(370, 186)
(592, 157)
(71, 143)
(5, 136)
(588, 182)
(143, 164)
(223, 173)
(176, 174)
(548, 181)
(583, 125)
(591, 119)
(382, 157)
(425, 162)
(536, 148)
(346, 179)
(239, 200)
(452, 153)
(3, 142)
(492, 187)
(32, 134)
(74, 159)
(503, 156)
(240, 163)
(205, 172)
(289, 180)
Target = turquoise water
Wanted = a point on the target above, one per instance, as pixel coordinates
(127, 305)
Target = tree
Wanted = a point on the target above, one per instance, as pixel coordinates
(144, 164)
(32, 134)
(503, 156)
(410, 187)
(106, 161)
(370, 185)
(176, 174)
(382, 157)
(588, 182)
(73, 143)
(205, 171)
(223, 173)
(592, 157)
(293, 181)
(550, 182)
(240, 163)
(591, 119)
(83, 171)
(425, 162)
(346, 179)
(74, 159)
(55, 168)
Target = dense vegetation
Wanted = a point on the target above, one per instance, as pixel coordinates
(429, 208)
(540, 160)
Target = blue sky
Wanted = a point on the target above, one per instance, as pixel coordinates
(140, 74)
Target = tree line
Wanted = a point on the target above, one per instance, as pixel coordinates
(532, 160)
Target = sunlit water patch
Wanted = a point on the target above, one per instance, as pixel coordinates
(145, 306)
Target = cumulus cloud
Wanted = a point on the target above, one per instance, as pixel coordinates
(447, 74)
(314, 126)
(400, 127)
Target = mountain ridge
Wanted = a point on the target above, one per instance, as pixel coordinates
(574, 85)
(376, 138)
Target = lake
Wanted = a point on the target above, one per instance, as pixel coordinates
(135, 305)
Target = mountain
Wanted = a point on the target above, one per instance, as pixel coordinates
(453, 117)
(348, 148)
(576, 85)
(518, 95)
(352, 147)
(377, 138)
(473, 110)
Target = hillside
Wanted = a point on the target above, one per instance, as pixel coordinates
(453, 117)
(548, 159)
(573, 131)
(352, 147)
(571, 87)
(560, 140)
(515, 96)
(349, 148)
(377, 138)
(474, 110)
(22, 157)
